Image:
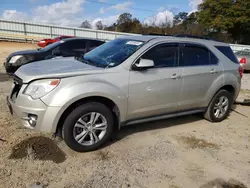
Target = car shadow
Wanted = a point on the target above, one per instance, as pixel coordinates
(154, 125)
(38, 148)
(220, 183)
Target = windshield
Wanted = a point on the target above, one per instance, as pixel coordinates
(52, 46)
(113, 53)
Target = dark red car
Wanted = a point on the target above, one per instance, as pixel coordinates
(45, 42)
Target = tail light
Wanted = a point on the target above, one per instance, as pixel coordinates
(243, 60)
(241, 70)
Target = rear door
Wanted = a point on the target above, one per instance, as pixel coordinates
(200, 69)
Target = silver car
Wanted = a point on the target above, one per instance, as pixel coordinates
(128, 80)
(244, 58)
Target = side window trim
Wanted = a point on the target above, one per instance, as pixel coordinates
(182, 45)
(157, 44)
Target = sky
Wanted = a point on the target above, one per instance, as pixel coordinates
(73, 12)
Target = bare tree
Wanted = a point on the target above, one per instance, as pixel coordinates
(85, 24)
(99, 25)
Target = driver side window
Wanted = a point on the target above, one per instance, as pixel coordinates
(163, 55)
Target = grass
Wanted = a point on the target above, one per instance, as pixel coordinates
(193, 142)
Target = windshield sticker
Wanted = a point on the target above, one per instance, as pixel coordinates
(137, 43)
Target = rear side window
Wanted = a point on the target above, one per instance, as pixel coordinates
(94, 44)
(74, 45)
(228, 52)
(213, 59)
(194, 56)
(243, 53)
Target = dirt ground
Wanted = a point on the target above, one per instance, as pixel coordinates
(185, 152)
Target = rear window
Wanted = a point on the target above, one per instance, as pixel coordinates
(227, 51)
(243, 53)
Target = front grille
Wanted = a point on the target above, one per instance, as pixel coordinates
(17, 86)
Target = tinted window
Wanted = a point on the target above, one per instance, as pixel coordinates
(228, 52)
(163, 55)
(194, 56)
(245, 52)
(52, 46)
(213, 59)
(93, 44)
(76, 45)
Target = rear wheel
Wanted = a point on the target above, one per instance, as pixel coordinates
(219, 107)
(88, 127)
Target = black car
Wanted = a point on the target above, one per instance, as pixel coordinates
(65, 48)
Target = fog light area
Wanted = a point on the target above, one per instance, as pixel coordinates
(32, 118)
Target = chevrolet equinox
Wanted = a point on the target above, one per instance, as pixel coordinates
(128, 80)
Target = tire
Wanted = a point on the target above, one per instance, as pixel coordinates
(210, 112)
(71, 133)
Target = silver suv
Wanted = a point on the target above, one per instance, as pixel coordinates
(128, 80)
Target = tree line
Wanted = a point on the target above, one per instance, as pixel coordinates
(224, 20)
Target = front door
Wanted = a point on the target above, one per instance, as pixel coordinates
(156, 91)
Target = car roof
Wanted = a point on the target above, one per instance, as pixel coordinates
(146, 38)
(81, 38)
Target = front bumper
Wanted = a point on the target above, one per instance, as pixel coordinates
(25, 108)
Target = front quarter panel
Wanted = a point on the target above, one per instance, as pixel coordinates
(73, 89)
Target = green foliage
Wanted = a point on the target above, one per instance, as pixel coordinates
(227, 16)
(180, 17)
(225, 20)
(126, 23)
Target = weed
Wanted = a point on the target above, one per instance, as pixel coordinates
(103, 155)
(194, 142)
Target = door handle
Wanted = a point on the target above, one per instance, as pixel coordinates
(213, 71)
(175, 76)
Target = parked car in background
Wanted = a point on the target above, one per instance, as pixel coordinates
(65, 48)
(45, 42)
(129, 80)
(244, 58)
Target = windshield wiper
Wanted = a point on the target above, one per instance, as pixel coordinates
(81, 59)
(88, 61)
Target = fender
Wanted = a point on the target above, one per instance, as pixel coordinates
(68, 94)
(226, 79)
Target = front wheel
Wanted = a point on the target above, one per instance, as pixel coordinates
(88, 127)
(219, 107)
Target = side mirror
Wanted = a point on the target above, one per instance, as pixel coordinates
(143, 64)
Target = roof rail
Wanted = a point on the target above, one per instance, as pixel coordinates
(186, 36)
(193, 36)
(158, 34)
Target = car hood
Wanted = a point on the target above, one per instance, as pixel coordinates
(57, 67)
(24, 52)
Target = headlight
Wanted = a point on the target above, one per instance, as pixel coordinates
(40, 88)
(15, 58)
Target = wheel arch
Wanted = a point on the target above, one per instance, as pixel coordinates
(104, 100)
(228, 87)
